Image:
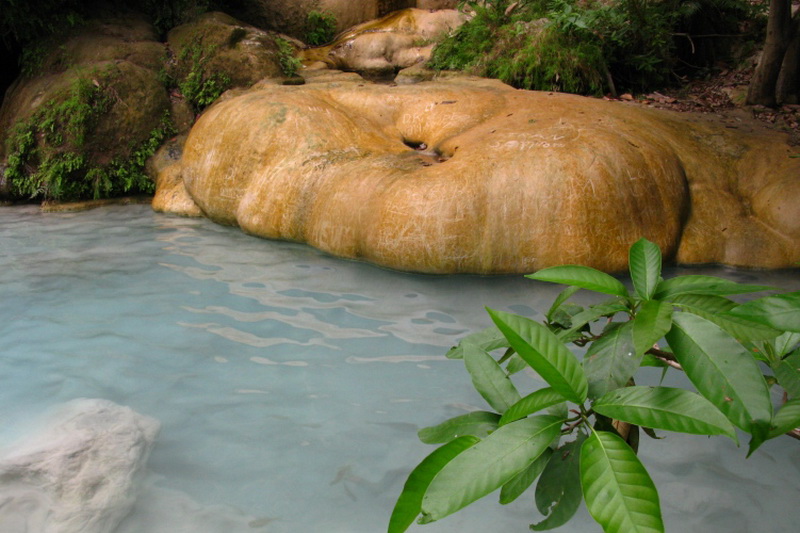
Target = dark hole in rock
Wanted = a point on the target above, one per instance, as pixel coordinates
(415, 145)
(428, 156)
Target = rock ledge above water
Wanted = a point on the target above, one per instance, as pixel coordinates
(469, 175)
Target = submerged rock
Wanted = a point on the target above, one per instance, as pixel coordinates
(473, 176)
(79, 473)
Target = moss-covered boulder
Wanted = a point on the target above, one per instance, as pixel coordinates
(85, 115)
(474, 176)
(216, 52)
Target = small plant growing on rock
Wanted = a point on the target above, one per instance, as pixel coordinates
(289, 63)
(320, 27)
(579, 436)
(198, 85)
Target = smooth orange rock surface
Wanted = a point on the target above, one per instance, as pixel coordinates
(398, 40)
(290, 16)
(501, 180)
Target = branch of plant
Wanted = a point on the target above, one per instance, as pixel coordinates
(667, 357)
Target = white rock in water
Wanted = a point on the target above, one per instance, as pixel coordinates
(79, 473)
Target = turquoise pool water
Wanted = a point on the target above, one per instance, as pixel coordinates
(290, 384)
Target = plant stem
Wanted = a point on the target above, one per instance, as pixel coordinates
(667, 357)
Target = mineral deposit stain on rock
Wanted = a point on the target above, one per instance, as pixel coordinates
(509, 181)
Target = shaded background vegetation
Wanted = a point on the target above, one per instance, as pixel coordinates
(598, 46)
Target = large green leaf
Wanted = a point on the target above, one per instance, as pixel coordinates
(786, 419)
(709, 303)
(697, 284)
(650, 324)
(665, 408)
(583, 277)
(618, 491)
(520, 483)
(781, 311)
(489, 379)
(560, 299)
(489, 339)
(409, 504)
(713, 308)
(558, 493)
(644, 263)
(476, 423)
(787, 372)
(722, 370)
(532, 403)
(611, 360)
(488, 465)
(542, 350)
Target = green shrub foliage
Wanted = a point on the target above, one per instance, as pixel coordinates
(579, 436)
(320, 27)
(591, 47)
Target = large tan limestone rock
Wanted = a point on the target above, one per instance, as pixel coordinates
(289, 16)
(383, 46)
(473, 176)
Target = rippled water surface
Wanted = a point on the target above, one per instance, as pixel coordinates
(290, 385)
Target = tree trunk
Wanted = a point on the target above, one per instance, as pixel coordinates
(764, 83)
(788, 91)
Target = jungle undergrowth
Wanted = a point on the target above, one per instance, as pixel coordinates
(593, 47)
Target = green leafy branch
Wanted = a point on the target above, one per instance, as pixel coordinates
(320, 27)
(579, 435)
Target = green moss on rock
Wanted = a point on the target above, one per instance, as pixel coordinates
(216, 52)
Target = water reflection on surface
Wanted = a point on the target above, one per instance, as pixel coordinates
(289, 384)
